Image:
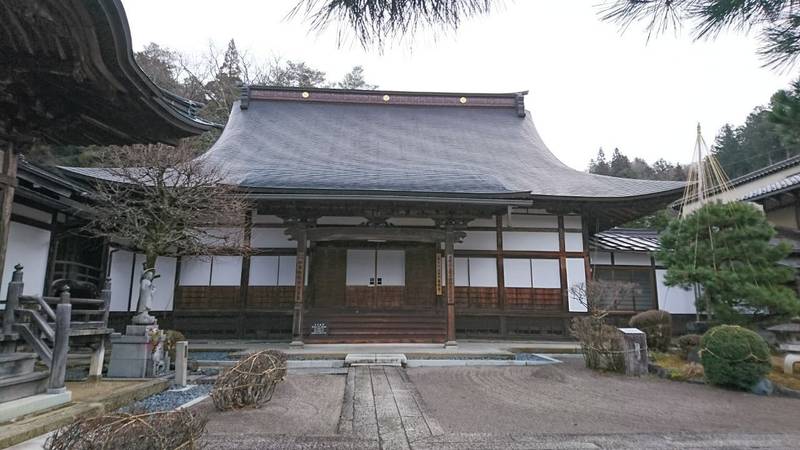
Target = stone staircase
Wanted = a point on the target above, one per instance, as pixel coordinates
(19, 378)
(37, 328)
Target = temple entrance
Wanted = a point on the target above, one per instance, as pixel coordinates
(374, 292)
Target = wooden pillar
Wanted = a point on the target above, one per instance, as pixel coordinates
(450, 288)
(299, 288)
(15, 288)
(501, 276)
(58, 367)
(562, 264)
(8, 183)
(244, 280)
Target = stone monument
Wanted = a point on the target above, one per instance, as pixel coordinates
(139, 353)
(634, 348)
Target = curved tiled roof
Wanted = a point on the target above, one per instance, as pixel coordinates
(787, 183)
(75, 80)
(407, 143)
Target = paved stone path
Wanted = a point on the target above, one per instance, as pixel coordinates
(382, 402)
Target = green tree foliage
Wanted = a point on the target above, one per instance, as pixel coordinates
(725, 249)
(375, 21)
(734, 356)
(776, 21)
(621, 166)
(355, 80)
(295, 74)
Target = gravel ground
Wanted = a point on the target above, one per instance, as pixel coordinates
(301, 405)
(568, 398)
(168, 399)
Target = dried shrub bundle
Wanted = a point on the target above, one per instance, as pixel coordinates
(166, 430)
(250, 382)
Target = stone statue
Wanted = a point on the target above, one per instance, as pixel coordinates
(158, 359)
(146, 290)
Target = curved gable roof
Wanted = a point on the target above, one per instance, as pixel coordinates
(296, 139)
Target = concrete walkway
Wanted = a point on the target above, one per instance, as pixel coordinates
(381, 402)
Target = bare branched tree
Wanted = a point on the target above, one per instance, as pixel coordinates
(161, 201)
(375, 21)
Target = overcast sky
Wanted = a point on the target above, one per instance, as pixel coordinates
(590, 86)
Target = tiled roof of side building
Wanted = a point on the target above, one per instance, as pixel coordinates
(626, 239)
(789, 183)
(402, 142)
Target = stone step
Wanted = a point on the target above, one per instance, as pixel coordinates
(21, 386)
(13, 364)
(375, 359)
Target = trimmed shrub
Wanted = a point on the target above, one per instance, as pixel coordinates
(734, 356)
(657, 325)
(171, 338)
(688, 343)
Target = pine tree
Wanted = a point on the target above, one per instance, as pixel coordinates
(600, 165)
(355, 80)
(620, 165)
(725, 249)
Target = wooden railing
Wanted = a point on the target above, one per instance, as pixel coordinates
(46, 324)
(70, 270)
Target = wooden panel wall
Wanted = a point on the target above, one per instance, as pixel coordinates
(207, 297)
(536, 299)
(270, 297)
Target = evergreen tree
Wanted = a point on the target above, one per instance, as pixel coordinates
(355, 80)
(295, 74)
(785, 114)
(600, 165)
(620, 165)
(725, 249)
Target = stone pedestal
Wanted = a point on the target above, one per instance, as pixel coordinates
(131, 353)
(634, 347)
(181, 362)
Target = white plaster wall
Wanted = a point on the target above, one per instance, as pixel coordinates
(600, 258)
(231, 237)
(163, 298)
(530, 241)
(483, 272)
(226, 271)
(517, 272)
(532, 221)
(195, 271)
(674, 299)
(270, 238)
(461, 272)
(263, 270)
(478, 240)
(573, 242)
(121, 266)
(546, 273)
(631, 259)
(28, 246)
(573, 222)
(576, 275)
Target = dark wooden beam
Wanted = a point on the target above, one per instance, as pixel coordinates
(299, 285)
(392, 234)
(450, 287)
(9, 172)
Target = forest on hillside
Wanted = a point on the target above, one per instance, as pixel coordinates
(770, 134)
